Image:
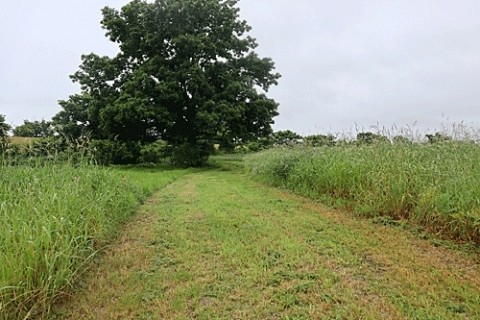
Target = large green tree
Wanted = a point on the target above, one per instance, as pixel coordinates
(186, 73)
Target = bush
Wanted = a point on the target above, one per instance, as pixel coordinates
(115, 152)
(153, 152)
(188, 155)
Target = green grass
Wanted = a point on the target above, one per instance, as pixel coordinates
(435, 186)
(229, 162)
(22, 141)
(54, 218)
(215, 245)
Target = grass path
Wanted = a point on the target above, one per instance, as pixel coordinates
(214, 245)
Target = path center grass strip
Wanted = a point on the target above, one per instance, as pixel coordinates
(215, 245)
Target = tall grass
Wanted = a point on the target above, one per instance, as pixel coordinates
(53, 219)
(434, 185)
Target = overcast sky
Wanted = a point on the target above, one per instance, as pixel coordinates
(344, 64)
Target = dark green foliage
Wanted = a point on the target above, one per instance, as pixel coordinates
(285, 138)
(437, 137)
(35, 129)
(186, 74)
(259, 144)
(153, 152)
(188, 155)
(370, 138)
(73, 121)
(4, 128)
(318, 140)
(114, 151)
(402, 140)
(47, 147)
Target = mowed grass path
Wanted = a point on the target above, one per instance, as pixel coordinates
(215, 245)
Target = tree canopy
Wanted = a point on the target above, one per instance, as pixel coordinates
(370, 138)
(4, 127)
(318, 140)
(286, 137)
(438, 137)
(186, 73)
(38, 129)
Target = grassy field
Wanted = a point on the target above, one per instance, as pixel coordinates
(54, 218)
(433, 185)
(215, 245)
(22, 141)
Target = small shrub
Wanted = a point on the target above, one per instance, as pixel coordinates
(153, 152)
(115, 152)
(188, 155)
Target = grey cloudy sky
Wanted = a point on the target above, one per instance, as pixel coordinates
(344, 64)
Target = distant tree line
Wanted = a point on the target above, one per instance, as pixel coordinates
(50, 138)
(288, 138)
(34, 129)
